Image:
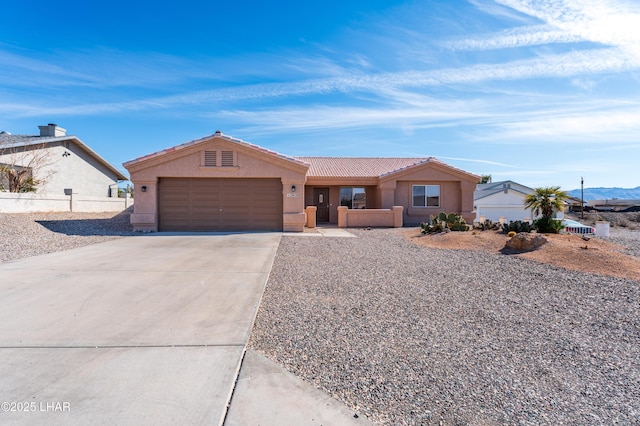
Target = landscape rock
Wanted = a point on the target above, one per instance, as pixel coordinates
(524, 241)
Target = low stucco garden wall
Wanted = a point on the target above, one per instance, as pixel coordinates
(11, 202)
(390, 218)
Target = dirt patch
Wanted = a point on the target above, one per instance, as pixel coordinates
(564, 250)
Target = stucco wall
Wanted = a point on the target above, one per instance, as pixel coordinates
(11, 202)
(351, 218)
(78, 170)
(188, 162)
(450, 200)
(456, 194)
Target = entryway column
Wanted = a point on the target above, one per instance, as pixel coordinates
(293, 217)
(145, 206)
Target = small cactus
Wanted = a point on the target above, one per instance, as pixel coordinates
(443, 223)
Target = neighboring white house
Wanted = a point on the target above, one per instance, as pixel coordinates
(501, 200)
(72, 176)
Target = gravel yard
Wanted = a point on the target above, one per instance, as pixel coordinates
(628, 238)
(407, 334)
(415, 335)
(31, 234)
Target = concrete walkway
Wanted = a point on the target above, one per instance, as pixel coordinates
(266, 394)
(139, 330)
(322, 231)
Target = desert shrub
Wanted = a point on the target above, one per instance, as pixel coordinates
(517, 226)
(488, 225)
(432, 228)
(444, 222)
(546, 225)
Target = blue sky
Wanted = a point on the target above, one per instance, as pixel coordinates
(540, 92)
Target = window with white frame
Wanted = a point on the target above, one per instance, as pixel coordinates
(353, 198)
(426, 196)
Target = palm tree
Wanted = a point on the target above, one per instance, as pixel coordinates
(485, 179)
(546, 200)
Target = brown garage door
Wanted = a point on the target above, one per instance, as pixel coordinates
(200, 204)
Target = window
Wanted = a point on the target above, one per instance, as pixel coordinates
(426, 196)
(353, 198)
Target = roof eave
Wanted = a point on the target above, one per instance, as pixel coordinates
(47, 140)
(430, 162)
(153, 158)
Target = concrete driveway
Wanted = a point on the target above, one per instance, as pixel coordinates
(139, 330)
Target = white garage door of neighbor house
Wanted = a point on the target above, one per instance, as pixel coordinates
(204, 204)
(510, 213)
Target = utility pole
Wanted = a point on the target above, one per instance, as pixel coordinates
(581, 197)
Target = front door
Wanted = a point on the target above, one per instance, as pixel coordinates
(321, 200)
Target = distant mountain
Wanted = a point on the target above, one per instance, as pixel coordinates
(607, 193)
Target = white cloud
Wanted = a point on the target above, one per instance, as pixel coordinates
(517, 37)
(583, 83)
(604, 21)
(475, 160)
(323, 118)
(619, 126)
(394, 98)
(496, 9)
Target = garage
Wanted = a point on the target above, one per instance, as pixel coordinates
(219, 204)
(509, 213)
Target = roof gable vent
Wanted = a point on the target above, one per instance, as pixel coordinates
(228, 159)
(210, 158)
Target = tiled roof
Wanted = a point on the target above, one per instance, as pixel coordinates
(8, 141)
(217, 134)
(358, 167)
(324, 167)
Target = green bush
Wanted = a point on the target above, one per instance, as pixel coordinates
(546, 225)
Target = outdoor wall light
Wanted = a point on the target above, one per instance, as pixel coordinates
(143, 188)
(293, 188)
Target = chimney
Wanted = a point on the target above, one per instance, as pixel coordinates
(52, 130)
